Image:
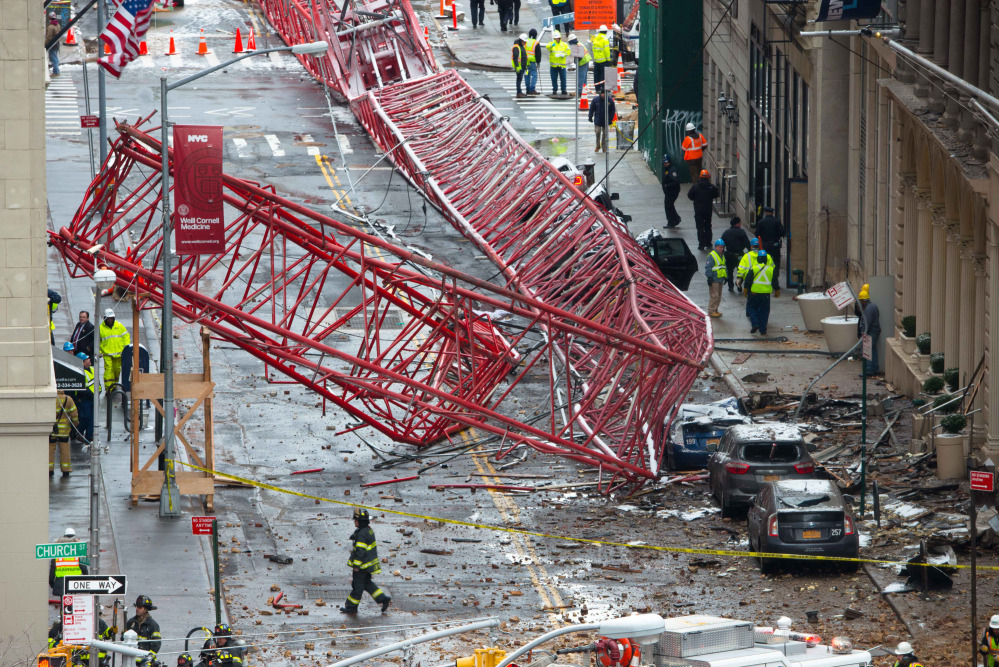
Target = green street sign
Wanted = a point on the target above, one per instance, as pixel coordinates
(64, 550)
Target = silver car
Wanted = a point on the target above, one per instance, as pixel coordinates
(750, 455)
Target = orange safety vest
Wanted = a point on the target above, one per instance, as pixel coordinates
(67, 566)
(693, 147)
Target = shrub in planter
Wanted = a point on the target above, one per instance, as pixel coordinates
(937, 362)
(918, 402)
(953, 424)
(923, 343)
(909, 326)
(946, 398)
(951, 376)
(933, 385)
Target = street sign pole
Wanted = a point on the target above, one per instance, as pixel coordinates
(218, 579)
(980, 481)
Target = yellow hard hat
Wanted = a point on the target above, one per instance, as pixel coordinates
(864, 292)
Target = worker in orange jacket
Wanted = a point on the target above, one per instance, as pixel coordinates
(693, 151)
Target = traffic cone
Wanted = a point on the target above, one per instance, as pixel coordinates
(238, 48)
(251, 44)
(584, 103)
(107, 49)
(203, 45)
(172, 51)
(620, 76)
(143, 49)
(70, 38)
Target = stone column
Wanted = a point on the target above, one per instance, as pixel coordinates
(909, 239)
(952, 296)
(927, 11)
(972, 26)
(938, 280)
(941, 33)
(924, 255)
(956, 38)
(969, 306)
(992, 344)
(912, 19)
(978, 348)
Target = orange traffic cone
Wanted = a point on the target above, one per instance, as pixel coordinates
(70, 38)
(143, 49)
(107, 49)
(203, 45)
(251, 44)
(584, 103)
(620, 76)
(172, 51)
(238, 47)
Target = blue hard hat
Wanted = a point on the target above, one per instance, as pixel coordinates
(67, 346)
(719, 242)
(666, 158)
(82, 355)
(754, 242)
(761, 254)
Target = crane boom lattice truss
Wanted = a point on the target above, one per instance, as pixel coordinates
(400, 342)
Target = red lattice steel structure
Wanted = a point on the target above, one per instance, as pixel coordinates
(402, 343)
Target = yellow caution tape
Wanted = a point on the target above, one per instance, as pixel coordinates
(583, 540)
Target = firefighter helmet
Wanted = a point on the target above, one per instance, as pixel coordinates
(361, 515)
(222, 630)
(144, 601)
(185, 660)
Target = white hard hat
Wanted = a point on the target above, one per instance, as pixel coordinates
(571, 36)
(994, 623)
(556, 34)
(109, 312)
(603, 28)
(903, 648)
(523, 36)
(691, 127)
(69, 532)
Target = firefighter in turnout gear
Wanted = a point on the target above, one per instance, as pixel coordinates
(989, 645)
(364, 565)
(144, 625)
(66, 419)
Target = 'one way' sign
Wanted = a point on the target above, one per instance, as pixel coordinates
(95, 584)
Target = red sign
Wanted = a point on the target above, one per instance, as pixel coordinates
(202, 525)
(90, 121)
(983, 481)
(591, 14)
(197, 193)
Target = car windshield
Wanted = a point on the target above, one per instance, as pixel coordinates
(770, 452)
(805, 501)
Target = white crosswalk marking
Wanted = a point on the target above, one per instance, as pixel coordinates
(311, 150)
(62, 111)
(546, 115)
(344, 144)
(275, 145)
(211, 59)
(241, 148)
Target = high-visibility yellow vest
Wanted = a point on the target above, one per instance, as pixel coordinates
(531, 43)
(558, 3)
(763, 276)
(746, 263)
(88, 374)
(114, 339)
(557, 53)
(514, 63)
(719, 268)
(585, 59)
(601, 48)
(67, 567)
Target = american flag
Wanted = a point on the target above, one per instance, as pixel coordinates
(124, 32)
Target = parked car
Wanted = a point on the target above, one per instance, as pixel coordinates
(696, 431)
(672, 255)
(750, 455)
(802, 517)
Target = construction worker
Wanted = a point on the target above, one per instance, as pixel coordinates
(144, 625)
(114, 338)
(52, 31)
(220, 649)
(558, 51)
(478, 9)
(364, 565)
(745, 264)
(518, 59)
(671, 190)
(693, 151)
(582, 66)
(61, 567)
(989, 645)
(714, 269)
(602, 118)
(560, 7)
(906, 657)
(736, 244)
(66, 419)
(601, 56)
(54, 297)
(869, 323)
(758, 286)
(771, 232)
(533, 47)
(703, 193)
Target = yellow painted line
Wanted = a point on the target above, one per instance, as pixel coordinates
(731, 553)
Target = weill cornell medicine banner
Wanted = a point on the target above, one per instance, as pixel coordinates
(842, 10)
(199, 228)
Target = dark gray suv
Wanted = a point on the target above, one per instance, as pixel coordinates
(750, 455)
(802, 517)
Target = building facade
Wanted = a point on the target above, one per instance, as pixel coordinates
(27, 385)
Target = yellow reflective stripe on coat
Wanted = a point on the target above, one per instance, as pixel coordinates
(601, 48)
(719, 267)
(763, 276)
(529, 45)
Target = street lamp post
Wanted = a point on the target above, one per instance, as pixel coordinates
(170, 494)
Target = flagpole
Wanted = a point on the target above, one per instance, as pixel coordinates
(101, 84)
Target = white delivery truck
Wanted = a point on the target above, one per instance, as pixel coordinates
(711, 641)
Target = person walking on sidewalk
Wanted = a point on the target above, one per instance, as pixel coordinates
(870, 324)
(516, 12)
(533, 47)
(602, 119)
(601, 56)
(558, 51)
(671, 191)
(364, 564)
(759, 285)
(114, 339)
(736, 244)
(478, 9)
(66, 419)
(505, 10)
(714, 269)
(703, 193)
(518, 60)
(560, 7)
(51, 32)
(771, 232)
(693, 151)
(144, 625)
(582, 66)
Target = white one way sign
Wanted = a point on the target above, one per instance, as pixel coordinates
(95, 584)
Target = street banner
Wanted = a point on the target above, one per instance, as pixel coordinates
(848, 10)
(77, 619)
(591, 14)
(199, 227)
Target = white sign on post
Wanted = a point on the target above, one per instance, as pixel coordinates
(868, 347)
(77, 619)
(577, 50)
(841, 295)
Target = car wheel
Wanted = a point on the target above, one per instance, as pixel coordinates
(851, 566)
(767, 565)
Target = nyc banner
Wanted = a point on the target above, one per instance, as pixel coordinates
(199, 228)
(844, 10)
